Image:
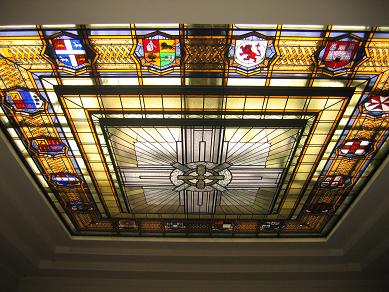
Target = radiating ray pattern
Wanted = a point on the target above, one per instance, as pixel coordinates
(147, 157)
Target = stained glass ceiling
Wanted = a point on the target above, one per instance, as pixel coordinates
(197, 130)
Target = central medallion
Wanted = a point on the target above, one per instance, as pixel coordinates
(201, 176)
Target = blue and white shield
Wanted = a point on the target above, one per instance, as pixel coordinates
(25, 101)
(65, 179)
(69, 52)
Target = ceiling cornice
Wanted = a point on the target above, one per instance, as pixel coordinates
(346, 12)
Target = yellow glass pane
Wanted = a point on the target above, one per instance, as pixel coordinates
(100, 176)
(171, 102)
(153, 102)
(86, 137)
(295, 104)
(329, 83)
(194, 102)
(318, 139)
(90, 148)
(82, 126)
(77, 113)
(73, 102)
(235, 103)
(301, 176)
(110, 102)
(90, 102)
(93, 157)
(329, 115)
(253, 103)
(213, 103)
(276, 103)
(316, 103)
(312, 150)
(130, 102)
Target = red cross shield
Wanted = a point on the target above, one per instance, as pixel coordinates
(355, 148)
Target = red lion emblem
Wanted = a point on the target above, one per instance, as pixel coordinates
(246, 50)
